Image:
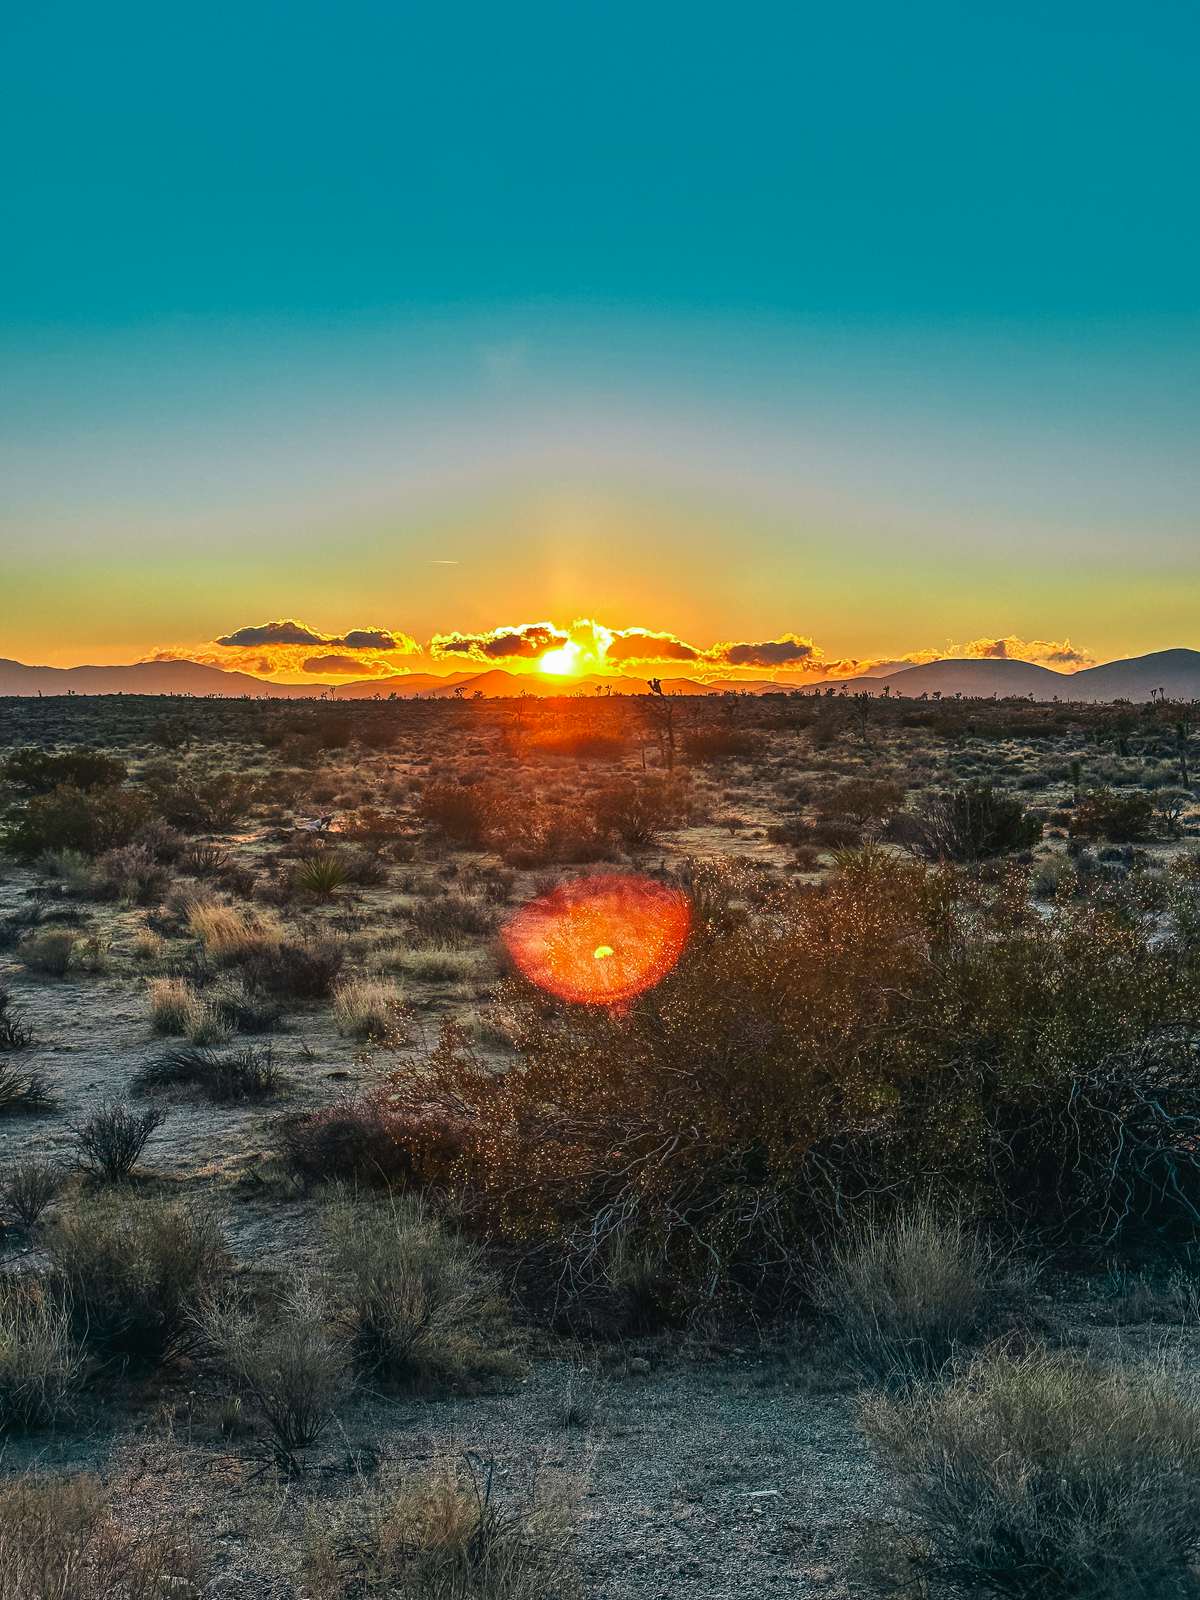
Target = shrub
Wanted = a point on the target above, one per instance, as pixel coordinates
(110, 1143)
(369, 1009)
(444, 1531)
(862, 800)
(131, 873)
(69, 818)
(365, 1141)
(467, 814)
(1120, 818)
(62, 1539)
(296, 971)
(711, 745)
(638, 813)
(41, 1364)
(832, 1041)
(29, 1186)
(40, 772)
(195, 803)
(972, 822)
(15, 1032)
(229, 934)
(49, 951)
(292, 1368)
(412, 1298)
(1041, 1475)
(906, 1294)
(133, 1273)
(247, 1074)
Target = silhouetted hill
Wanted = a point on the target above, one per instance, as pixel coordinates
(971, 676)
(143, 677)
(1176, 672)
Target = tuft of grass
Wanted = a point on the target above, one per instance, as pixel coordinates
(42, 1365)
(369, 1009)
(908, 1293)
(48, 951)
(174, 1005)
(444, 1533)
(246, 1074)
(1043, 1475)
(110, 1143)
(23, 1091)
(413, 1298)
(15, 1032)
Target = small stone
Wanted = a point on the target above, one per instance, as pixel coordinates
(639, 1367)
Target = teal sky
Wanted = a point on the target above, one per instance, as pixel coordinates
(877, 325)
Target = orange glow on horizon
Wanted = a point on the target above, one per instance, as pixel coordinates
(600, 940)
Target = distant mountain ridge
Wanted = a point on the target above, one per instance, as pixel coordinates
(1176, 673)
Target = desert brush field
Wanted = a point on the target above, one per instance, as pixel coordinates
(621, 1146)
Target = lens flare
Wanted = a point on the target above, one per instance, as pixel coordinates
(602, 940)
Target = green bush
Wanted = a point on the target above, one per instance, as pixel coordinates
(40, 772)
(1119, 818)
(70, 818)
(974, 821)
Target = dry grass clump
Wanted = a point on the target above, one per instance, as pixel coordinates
(1042, 1475)
(230, 934)
(65, 1539)
(42, 1364)
(15, 1032)
(175, 1007)
(369, 1009)
(413, 1298)
(445, 1533)
(909, 1292)
(49, 951)
(290, 1365)
(23, 1091)
(133, 1272)
(246, 1074)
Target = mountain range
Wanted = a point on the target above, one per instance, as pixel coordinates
(1175, 672)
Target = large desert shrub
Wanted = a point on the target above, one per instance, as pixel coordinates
(1042, 1476)
(972, 822)
(70, 818)
(1119, 818)
(828, 1044)
(41, 772)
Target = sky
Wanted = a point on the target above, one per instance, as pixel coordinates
(874, 331)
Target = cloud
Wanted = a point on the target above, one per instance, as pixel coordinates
(647, 644)
(1044, 652)
(524, 642)
(789, 650)
(286, 631)
(376, 639)
(346, 666)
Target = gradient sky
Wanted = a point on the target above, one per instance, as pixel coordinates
(880, 324)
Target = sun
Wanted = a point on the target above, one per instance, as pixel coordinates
(561, 662)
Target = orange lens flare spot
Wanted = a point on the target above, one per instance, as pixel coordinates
(600, 941)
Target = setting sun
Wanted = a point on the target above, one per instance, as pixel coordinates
(562, 661)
